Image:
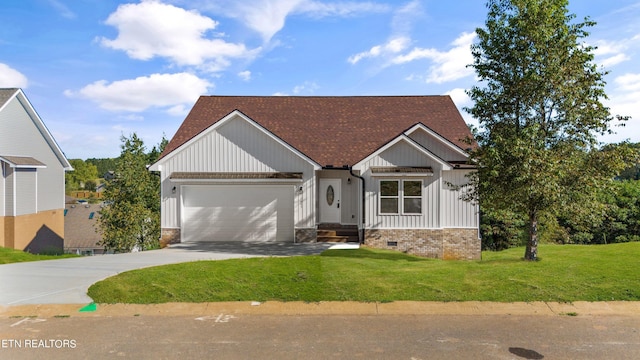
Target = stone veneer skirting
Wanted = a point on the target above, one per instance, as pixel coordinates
(306, 235)
(447, 244)
(169, 236)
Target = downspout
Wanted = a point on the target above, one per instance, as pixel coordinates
(361, 235)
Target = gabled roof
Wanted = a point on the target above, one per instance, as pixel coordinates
(7, 95)
(330, 130)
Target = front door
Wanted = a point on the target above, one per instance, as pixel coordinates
(330, 197)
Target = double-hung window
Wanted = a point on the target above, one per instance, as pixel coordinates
(400, 197)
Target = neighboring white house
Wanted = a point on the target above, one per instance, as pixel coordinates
(276, 169)
(32, 168)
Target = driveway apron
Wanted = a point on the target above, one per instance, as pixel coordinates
(66, 281)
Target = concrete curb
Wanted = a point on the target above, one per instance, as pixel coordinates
(579, 308)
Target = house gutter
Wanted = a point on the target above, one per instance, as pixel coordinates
(361, 237)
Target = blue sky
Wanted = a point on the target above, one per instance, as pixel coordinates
(98, 69)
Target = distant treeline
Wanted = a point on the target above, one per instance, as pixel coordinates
(103, 165)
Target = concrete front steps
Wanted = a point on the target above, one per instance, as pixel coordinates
(337, 233)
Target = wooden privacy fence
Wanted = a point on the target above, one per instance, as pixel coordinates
(85, 194)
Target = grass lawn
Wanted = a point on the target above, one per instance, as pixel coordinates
(565, 273)
(8, 256)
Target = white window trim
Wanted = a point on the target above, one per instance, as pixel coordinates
(421, 197)
(381, 197)
(400, 197)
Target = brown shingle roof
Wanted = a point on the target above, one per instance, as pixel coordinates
(330, 130)
(6, 94)
(79, 230)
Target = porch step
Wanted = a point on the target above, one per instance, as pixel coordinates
(338, 239)
(337, 233)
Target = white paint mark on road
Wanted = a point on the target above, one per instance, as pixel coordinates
(222, 318)
(28, 320)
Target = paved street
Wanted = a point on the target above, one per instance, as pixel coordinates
(66, 281)
(242, 336)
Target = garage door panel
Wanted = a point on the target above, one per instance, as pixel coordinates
(237, 213)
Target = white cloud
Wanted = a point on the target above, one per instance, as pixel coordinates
(308, 87)
(392, 46)
(399, 40)
(614, 60)
(157, 90)
(628, 82)
(245, 75)
(342, 9)
(12, 78)
(62, 9)
(151, 29)
(404, 17)
(131, 117)
(624, 100)
(459, 97)
(610, 53)
(462, 100)
(447, 65)
(268, 17)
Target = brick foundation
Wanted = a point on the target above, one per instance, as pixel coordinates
(447, 244)
(169, 236)
(306, 235)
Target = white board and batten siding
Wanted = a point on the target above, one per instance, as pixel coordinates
(457, 213)
(402, 154)
(7, 199)
(21, 136)
(26, 183)
(447, 152)
(237, 146)
(441, 206)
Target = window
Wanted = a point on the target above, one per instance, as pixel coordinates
(389, 197)
(412, 196)
(397, 194)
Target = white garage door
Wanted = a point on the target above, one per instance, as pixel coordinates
(249, 213)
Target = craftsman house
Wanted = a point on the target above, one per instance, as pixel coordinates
(32, 168)
(292, 169)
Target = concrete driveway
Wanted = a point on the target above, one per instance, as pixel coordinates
(66, 281)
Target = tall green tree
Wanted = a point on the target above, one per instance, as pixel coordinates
(131, 219)
(83, 175)
(539, 105)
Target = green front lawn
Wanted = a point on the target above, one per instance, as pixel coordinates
(566, 273)
(8, 256)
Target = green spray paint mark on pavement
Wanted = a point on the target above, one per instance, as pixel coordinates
(89, 308)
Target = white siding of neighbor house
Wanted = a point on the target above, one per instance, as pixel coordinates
(2, 188)
(457, 213)
(403, 154)
(237, 146)
(435, 145)
(26, 185)
(9, 203)
(20, 136)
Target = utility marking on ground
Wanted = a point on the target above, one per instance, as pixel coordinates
(28, 320)
(222, 318)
